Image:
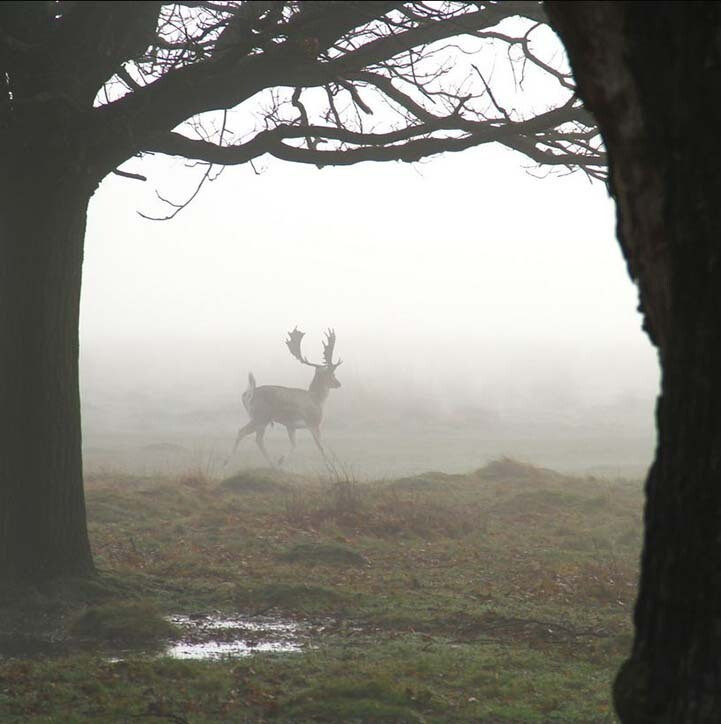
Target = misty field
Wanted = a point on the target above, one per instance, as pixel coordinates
(501, 595)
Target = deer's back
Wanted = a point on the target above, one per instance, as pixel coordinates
(290, 406)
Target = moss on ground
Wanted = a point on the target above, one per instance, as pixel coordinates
(122, 623)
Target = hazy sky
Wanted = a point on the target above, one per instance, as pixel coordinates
(462, 273)
(462, 265)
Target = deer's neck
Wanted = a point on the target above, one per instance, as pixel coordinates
(318, 391)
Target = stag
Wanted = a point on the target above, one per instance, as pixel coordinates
(289, 406)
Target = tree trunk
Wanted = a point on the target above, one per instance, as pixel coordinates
(44, 195)
(651, 73)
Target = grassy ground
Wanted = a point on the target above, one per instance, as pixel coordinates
(503, 595)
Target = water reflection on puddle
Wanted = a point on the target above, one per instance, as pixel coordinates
(214, 636)
(217, 650)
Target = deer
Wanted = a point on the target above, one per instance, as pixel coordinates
(292, 407)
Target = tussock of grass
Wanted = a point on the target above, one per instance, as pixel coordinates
(382, 511)
(431, 481)
(508, 469)
(261, 480)
(124, 624)
(195, 479)
(354, 701)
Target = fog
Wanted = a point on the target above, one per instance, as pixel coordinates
(480, 311)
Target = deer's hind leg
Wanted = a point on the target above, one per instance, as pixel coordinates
(243, 432)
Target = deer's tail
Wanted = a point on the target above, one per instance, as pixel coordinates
(249, 394)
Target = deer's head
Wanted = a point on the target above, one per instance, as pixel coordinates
(324, 373)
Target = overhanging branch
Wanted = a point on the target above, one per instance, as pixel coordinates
(408, 144)
(343, 83)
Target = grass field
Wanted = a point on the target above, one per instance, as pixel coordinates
(501, 595)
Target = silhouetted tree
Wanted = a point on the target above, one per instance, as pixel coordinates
(87, 86)
(651, 74)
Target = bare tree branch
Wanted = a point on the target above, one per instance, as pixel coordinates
(407, 144)
(312, 82)
(127, 174)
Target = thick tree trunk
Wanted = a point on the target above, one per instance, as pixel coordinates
(43, 203)
(651, 73)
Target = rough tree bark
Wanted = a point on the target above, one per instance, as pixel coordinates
(54, 154)
(43, 204)
(651, 74)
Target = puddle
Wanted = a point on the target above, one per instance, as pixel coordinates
(201, 636)
(213, 636)
(218, 650)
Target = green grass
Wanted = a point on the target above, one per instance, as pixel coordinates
(330, 554)
(503, 595)
(123, 623)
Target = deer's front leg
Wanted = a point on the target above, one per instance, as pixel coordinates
(315, 432)
(259, 433)
(291, 437)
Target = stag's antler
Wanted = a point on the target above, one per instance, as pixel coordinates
(294, 339)
(328, 347)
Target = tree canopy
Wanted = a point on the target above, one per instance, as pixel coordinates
(324, 83)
